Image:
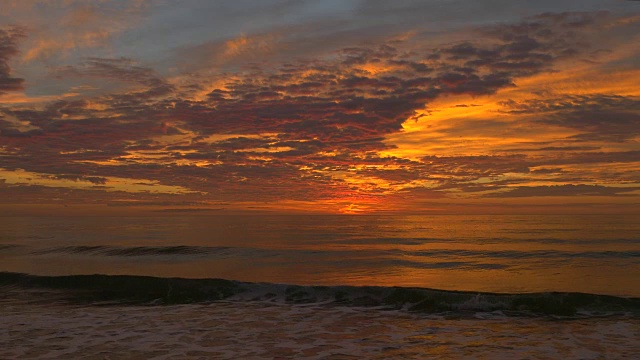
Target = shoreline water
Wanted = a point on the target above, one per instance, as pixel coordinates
(259, 330)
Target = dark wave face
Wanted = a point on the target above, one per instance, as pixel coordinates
(134, 250)
(143, 290)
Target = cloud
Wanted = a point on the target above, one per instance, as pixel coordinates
(596, 116)
(477, 166)
(56, 31)
(92, 179)
(21, 177)
(9, 48)
(121, 70)
(567, 190)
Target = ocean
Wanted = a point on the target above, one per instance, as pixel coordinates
(321, 287)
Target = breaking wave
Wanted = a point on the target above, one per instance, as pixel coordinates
(144, 290)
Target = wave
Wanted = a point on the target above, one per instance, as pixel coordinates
(223, 251)
(145, 290)
(136, 250)
(228, 250)
(8, 246)
(534, 254)
(480, 240)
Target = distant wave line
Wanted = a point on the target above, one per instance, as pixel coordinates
(184, 250)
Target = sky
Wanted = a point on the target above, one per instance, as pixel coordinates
(330, 107)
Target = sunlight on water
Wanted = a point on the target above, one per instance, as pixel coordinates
(478, 253)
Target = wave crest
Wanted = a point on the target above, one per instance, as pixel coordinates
(145, 290)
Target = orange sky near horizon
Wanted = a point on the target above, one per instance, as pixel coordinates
(352, 107)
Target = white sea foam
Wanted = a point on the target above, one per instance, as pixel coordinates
(259, 330)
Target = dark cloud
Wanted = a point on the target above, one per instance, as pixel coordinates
(189, 210)
(129, 203)
(477, 166)
(9, 48)
(524, 48)
(593, 102)
(601, 157)
(92, 179)
(541, 146)
(568, 148)
(566, 190)
(597, 117)
(119, 69)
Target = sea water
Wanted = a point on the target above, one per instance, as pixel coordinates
(593, 254)
(321, 286)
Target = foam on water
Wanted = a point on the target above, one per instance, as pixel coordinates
(259, 330)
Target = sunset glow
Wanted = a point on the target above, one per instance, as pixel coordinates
(351, 107)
